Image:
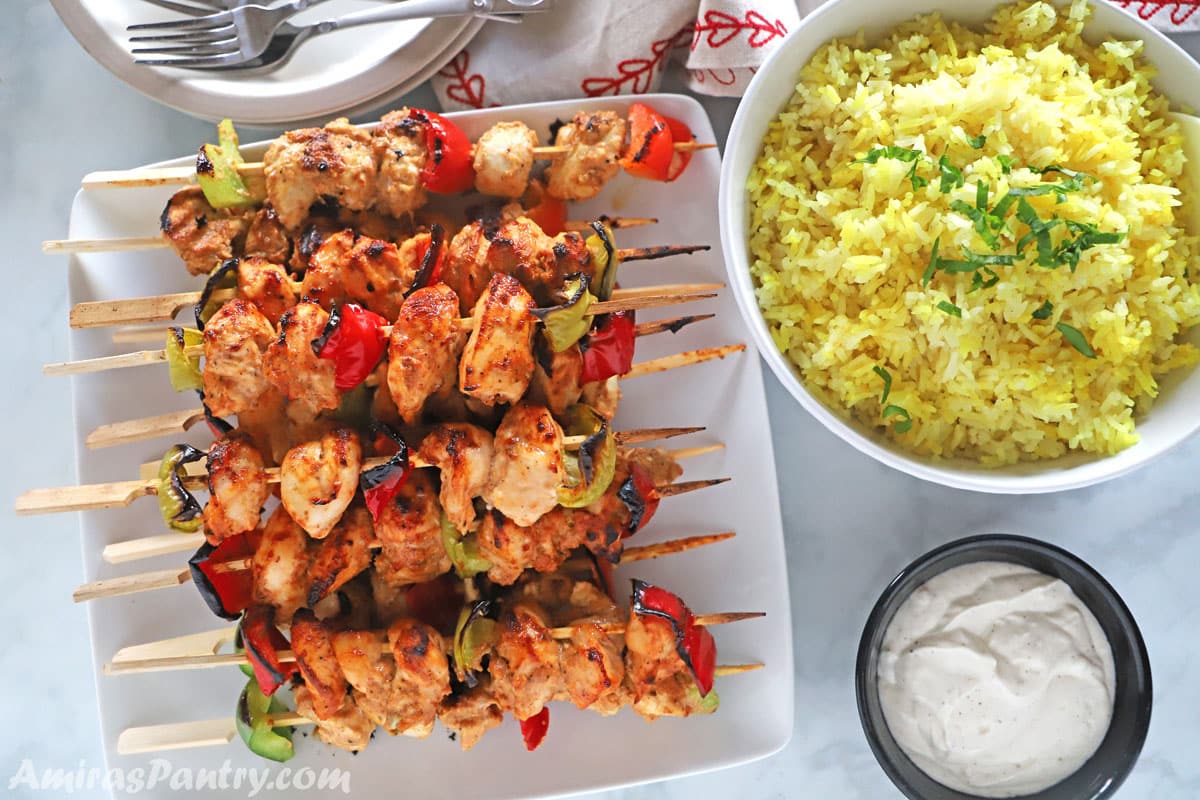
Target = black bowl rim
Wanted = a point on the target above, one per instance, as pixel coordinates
(875, 619)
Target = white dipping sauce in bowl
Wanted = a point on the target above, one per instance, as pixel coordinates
(996, 680)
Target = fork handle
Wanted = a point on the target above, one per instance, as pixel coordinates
(409, 9)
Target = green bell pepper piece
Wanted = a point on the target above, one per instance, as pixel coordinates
(184, 369)
(217, 171)
(251, 719)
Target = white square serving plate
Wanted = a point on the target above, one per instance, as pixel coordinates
(583, 751)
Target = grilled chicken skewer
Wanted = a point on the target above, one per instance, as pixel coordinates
(627, 300)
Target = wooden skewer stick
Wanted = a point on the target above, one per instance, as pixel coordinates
(118, 494)
(159, 242)
(208, 661)
(165, 307)
(682, 360)
(184, 176)
(162, 579)
(218, 732)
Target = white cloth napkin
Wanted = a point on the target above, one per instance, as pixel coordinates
(607, 47)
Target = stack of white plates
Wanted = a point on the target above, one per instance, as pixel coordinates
(341, 72)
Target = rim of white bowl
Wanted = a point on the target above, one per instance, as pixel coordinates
(1063, 474)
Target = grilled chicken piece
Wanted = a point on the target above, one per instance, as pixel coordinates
(390, 600)
(539, 262)
(663, 685)
(265, 422)
(557, 377)
(369, 669)
(371, 272)
(203, 236)
(525, 661)
(527, 467)
(422, 676)
(291, 365)
(596, 141)
(237, 484)
(400, 147)
(497, 363)
(470, 713)
(466, 269)
(504, 159)
(604, 396)
(280, 564)
(318, 479)
(410, 531)
(348, 728)
(423, 349)
(544, 545)
(267, 238)
(341, 556)
(660, 465)
(312, 642)
(267, 285)
(463, 453)
(332, 164)
(235, 343)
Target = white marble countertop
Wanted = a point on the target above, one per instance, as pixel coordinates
(851, 523)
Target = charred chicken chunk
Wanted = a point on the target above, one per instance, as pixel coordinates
(237, 484)
(203, 236)
(504, 159)
(463, 453)
(663, 685)
(557, 377)
(366, 662)
(235, 342)
(267, 285)
(267, 238)
(596, 142)
(466, 270)
(423, 349)
(312, 642)
(527, 467)
(291, 365)
(410, 532)
(317, 480)
(400, 146)
(471, 712)
(334, 164)
(372, 272)
(348, 728)
(497, 363)
(341, 556)
(525, 661)
(422, 675)
(280, 564)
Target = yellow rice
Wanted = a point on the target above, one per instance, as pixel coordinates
(838, 249)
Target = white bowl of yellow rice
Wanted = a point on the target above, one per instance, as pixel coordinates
(965, 242)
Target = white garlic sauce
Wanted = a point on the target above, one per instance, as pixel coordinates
(996, 679)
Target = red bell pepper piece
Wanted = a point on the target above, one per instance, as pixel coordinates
(436, 602)
(432, 258)
(226, 593)
(651, 145)
(680, 132)
(640, 496)
(263, 641)
(694, 644)
(354, 340)
(609, 347)
(449, 165)
(533, 730)
(381, 484)
(550, 215)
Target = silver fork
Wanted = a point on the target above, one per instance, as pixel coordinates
(242, 37)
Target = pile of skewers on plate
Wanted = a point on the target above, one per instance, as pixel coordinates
(429, 396)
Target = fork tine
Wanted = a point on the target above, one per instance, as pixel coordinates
(191, 37)
(227, 60)
(217, 49)
(185, 8)
(219, 18)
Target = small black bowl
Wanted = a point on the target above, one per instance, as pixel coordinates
(1102, 774)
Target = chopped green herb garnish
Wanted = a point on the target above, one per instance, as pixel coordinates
(887, 382)
(979, 282)
(947, 307)
(977, 142)
(1045, 311)
(981, 196)
(984, 222)
(891, 151)
(905, 424)
(933, 263)
(952, 176)
(1087, 236)
(917, 181)
(1006, 163)
(1073, 183)
(1076, 339)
